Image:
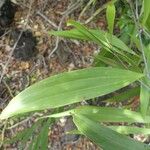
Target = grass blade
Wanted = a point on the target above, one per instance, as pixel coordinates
(68, 88)
(144, 100)
(130, 130)
(104, 137)
(110, 16)
(126, 95)
(110, 114)
(98, 36)
(41, 141)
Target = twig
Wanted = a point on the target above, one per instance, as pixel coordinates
(45, 4)
(25, 120)
(45, 18)
(84, 9)
(9, 58)
(5, 33)
(8, 88)
(98, 11)
(66, 13)
(19, 123)
(11, 53)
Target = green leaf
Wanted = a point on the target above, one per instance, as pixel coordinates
(74, 132)
(98, 36)
(148, 23)
(122, 130)
(145, 92)
(104, 137)
(82, 29)
(109, 61)
(147, 53)
(100, 9)
(110, 114)
(24, 135)
(68, 88)
(106, 58)
(144, 99)
(130, 130)
(146, 4)
(58, 115)
(41, 141)
(110, 16)
(126, 95)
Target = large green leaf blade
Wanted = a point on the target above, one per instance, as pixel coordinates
(68, 88)
(110, 114)
(104, 137)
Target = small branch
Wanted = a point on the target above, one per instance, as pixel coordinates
(8, 88)
(9, 58)
(66, 13)
(98, 11)
(45, 18)
(19, 123)
(84, 9)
